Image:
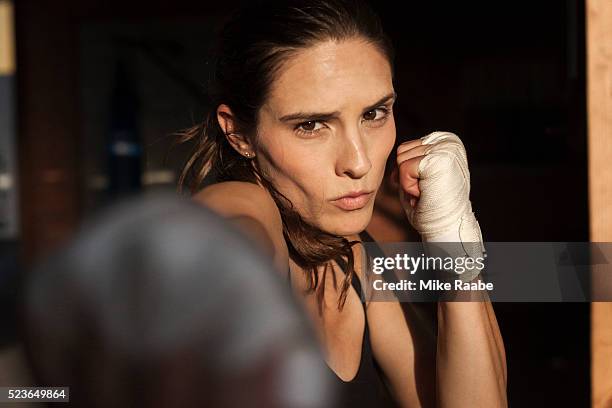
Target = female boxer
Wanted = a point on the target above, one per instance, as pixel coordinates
(296, 143)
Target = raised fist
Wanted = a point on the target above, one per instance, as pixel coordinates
(434, 191)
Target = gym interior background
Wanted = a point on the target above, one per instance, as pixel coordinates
(98, 88)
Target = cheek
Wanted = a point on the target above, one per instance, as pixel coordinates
(308, 176)
(390, 135)
(383, 145)
(295, 170)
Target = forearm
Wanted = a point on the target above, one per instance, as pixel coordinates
(470, 361)
(470, 357)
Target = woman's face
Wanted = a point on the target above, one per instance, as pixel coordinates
(326, 131)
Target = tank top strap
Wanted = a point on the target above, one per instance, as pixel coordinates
(374, 249)
(357, 285)
(365, 236)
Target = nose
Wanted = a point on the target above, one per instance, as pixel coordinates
(353, 158)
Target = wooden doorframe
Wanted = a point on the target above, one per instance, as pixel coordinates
(599, 111)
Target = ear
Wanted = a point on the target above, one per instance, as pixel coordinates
(239, 141)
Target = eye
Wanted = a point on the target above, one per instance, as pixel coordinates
(376, 114)
(309, 127)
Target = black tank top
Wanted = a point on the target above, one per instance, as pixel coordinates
(367, 388)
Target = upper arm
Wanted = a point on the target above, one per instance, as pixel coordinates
(251, 208)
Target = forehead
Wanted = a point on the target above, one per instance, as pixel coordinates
(331, 76)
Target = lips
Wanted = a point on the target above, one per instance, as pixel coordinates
(353, 201)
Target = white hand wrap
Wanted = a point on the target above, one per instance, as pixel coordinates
(443, 212)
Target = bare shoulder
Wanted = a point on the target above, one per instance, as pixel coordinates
(240, 200)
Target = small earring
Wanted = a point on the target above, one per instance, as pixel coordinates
(247, 154)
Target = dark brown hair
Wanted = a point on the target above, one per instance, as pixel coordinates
(250, 49)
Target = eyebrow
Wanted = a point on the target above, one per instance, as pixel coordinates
(330, 115)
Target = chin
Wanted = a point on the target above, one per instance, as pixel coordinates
(349, 223)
